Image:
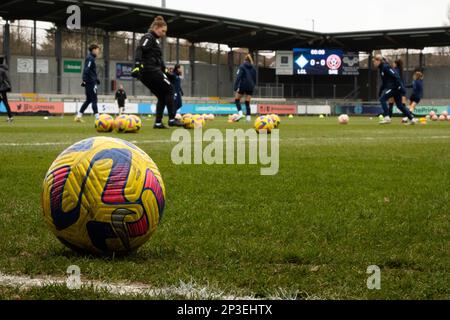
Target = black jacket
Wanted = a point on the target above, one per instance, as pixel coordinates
(246, 78)
(149, 53)
(5, 82)
(90, 70)
(121, 96)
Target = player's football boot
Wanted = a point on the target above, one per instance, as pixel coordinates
(386, 120)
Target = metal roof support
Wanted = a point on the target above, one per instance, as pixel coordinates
(34, 57)
(369, 77)
(218, 69)
(192, 64)
(421, 60)
(58, 54)
(133, 81)
(6, 42)
(106, 59)
(257, 66)
(231, 64)
(178, 51)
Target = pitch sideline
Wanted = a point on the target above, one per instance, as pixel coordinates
(305, 139)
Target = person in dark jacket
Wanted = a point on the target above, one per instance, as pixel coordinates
(392, 87)
(417, 93)
(244, 86)
(90, 83)
(398, 67)
(151, 70)
(121, 97)
(176, 80)
(5, 86)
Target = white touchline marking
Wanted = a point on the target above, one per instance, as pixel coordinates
(187, 290)
(304, 139)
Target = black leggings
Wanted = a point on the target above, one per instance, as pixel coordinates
(91, 97)
(4, 98)
(160, 86)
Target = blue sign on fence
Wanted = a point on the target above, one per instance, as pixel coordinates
(359, 109)
(147, 108)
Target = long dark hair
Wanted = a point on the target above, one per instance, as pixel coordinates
(177, 69)
(399, 63)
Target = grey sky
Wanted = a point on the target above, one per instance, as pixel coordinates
(329, 16)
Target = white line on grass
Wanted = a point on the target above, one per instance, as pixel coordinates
(186, 290)
(304, 139)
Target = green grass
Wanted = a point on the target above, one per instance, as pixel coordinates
(346, 197)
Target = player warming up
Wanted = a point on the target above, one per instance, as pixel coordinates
(176, 79)
(121, 97)
(151, 70)
(417, 93)
(398, 67)
(5, 86)
(90, 83)
(392, 87)
(244, 86)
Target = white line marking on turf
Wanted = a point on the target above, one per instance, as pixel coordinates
(304, 139)
(187, 290)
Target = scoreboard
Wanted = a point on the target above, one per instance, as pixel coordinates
(319, 61)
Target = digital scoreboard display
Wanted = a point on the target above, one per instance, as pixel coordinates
(318, 61)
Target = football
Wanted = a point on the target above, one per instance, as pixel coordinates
(103, 196)
(188, 122)
(105, 123)
(344, 119)
(276, 120)
(136, 125)
(199, 121)
(121, 123)
(264, 124)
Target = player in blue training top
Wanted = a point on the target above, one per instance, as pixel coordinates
(5, 87)
(398, 67)
(417, 93)
(392, 87)
(244, 86)
(178, 90)
(90, 82)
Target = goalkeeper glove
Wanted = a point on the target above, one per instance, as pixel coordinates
(137, 71)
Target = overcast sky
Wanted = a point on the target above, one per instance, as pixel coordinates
(329, 16)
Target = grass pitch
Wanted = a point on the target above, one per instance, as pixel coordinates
(345, 198)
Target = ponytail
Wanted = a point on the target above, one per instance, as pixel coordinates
(249, 58)
(159, 22)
